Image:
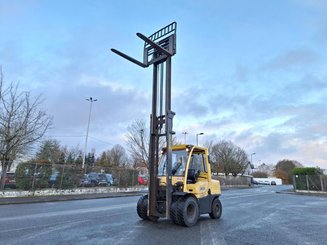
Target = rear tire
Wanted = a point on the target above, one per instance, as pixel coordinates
(187, 211)
(142, 207)
(216, 209)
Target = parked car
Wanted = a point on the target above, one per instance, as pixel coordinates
(10, 180)
(102, 180)
(254, 182)
(94, 178)
(142, 179)
(85, 181)
(273, 183)
(266, 182)
(110, 179)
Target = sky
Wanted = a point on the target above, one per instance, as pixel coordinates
(252, 72)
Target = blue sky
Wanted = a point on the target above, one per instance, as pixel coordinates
(253, 72)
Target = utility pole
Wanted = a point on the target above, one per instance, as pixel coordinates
(185, 133)
(251, 156)
(197, 138)
(87, 130)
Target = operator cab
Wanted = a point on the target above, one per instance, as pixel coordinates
(189, 169)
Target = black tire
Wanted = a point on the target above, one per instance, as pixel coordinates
(187, 211)
(142, 207)
(173, 211)
(216, 209)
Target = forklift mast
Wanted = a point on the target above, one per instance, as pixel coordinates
(158, 51)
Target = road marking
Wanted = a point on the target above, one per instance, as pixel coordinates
(68, 212)
(65, 226)
(210, 234)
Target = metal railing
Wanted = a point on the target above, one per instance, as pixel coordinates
(310, 183)
(32, 176)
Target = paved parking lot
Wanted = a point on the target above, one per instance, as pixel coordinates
(250, 216)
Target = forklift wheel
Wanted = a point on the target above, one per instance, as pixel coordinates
(173, 211)
(188, 211)
(216, 209)
(142, 207)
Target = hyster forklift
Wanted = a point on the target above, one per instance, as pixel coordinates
(181, 187)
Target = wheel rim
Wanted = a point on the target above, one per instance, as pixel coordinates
(217, 209)
(190, 211)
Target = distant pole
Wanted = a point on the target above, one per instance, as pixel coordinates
(251, 156)
(197, 138)
(185, 133)
(87, 130)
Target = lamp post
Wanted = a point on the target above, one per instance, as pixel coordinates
(197, 138)
(185, 133)
(87, 130)
(251, 156)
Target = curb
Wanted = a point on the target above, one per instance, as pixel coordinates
(292, 192)
(58, 198)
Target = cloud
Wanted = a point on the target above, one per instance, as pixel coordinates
(317, 4)
(308, 121)
(190, 102)
(292, 59)
(241, 73)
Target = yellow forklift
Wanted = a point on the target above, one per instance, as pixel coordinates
(181, 187)
(194, 192)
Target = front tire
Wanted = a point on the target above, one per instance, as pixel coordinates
(142, 207)
(187, 211)
(174, 212)
(216, 209)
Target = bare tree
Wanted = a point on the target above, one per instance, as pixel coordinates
(115, 157)
(209, 144)
(284, 170)
(118, 157)
(138, 140)
(22, 123)
(229, 158)
(260, 174)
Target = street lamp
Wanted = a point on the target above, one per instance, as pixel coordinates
(87, 130)
(251, 156)
(197, 138)
(185, 133)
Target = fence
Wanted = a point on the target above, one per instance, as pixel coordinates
(31, 176)
(234, 180)
(310, 183)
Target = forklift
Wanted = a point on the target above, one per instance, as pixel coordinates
(181, 187)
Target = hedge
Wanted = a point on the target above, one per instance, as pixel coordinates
(306, 171)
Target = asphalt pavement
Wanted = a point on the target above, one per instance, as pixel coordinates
(250, 216)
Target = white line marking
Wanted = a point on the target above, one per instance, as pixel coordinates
(210, 234)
